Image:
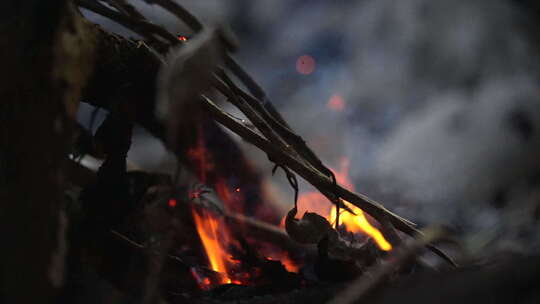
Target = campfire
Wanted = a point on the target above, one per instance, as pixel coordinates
(207, 227)
(222, 245)
(210, 227)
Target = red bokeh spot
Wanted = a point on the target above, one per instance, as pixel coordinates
(336, 103)
(182, 38)
(237, 189)
(305, 64)
(172, 203)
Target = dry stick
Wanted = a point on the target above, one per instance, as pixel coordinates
(317, 179)
(147, 29)
(320, 181)
(138, 246)
(261, 125)
(293, 140)
(190, 20)
(299, 146)
(144, 29)
(180, 12)
(360, 287)
(270, 115)
(140, 27)
(249, 109)
(251, 114)
(280, 126)
(126, 8)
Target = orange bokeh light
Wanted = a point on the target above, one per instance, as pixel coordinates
(336, 103)
(305, 64)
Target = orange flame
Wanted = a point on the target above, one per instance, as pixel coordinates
(316, 202)
(359, 223)
(211, 232)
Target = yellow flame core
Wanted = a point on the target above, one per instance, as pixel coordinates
(359, 222)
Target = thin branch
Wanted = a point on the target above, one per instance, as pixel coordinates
(180, 12)
(255, 114)
(320, 181)
(280, 126)
(141, 27)
(134, 244)
(125, 8)
(192, 21)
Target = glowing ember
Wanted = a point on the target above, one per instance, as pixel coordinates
(172, 203)
(316, 202)
(182, 38)
(206, 281)
(286, 261)
(336, 103)
(289, 264)
(305, 64)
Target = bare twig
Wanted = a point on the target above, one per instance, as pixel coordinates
(320, 181)
(180, 12)
(135, 245)
(141, 27)
(361, 286)
(126, 8)
(276, 133)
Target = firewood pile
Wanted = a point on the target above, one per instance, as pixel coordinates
(206, 234)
